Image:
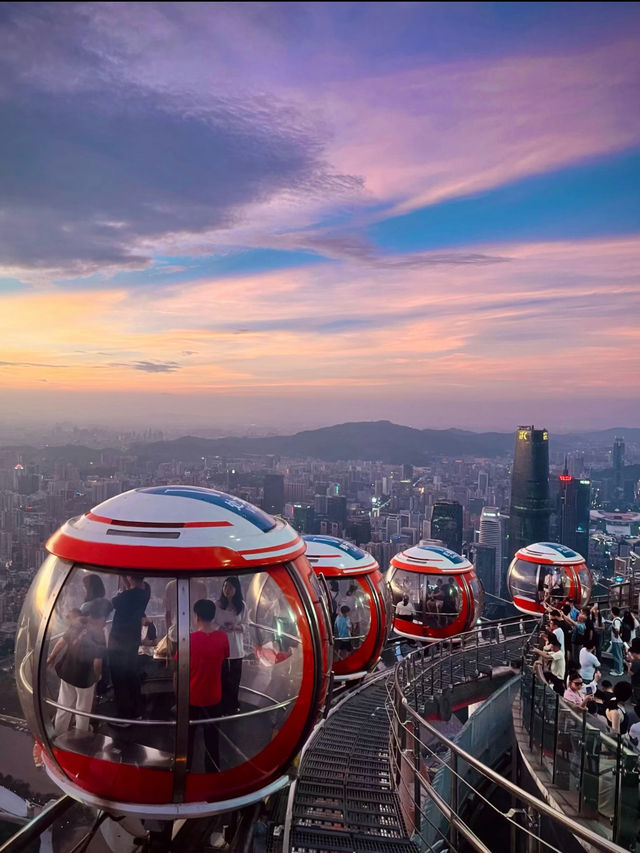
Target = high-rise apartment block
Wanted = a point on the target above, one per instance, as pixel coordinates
(273, 491)
(446, 524)
(574, 503)
(617, 458)
(530, 507)
(490, 534)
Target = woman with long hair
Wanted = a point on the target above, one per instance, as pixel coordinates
(95, 597)
(231, 617)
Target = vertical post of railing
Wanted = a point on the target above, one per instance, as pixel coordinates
(417, 813)
(424, 700)
(532, 710)
(618, 783)
(477, 652)
(543, 721)
(583, 758)
(451, 662)
(402, 737)
(556, 720)
(453, 799)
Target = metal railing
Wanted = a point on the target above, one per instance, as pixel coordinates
(419, 752)
(430, 673)
(597, 769)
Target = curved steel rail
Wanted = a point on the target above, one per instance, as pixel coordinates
(407, 727)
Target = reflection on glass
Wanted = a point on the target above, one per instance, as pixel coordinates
(111, 653)
(433, 601)
(108, 693)
(260, 676)
(350, 614)
(33, 613)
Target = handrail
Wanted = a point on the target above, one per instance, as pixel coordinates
(34, 829)
(541, 807)
(76, 712)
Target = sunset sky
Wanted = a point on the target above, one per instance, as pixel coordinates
(292, 215)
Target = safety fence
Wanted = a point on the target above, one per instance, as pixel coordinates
(598, 769)
(440, 784)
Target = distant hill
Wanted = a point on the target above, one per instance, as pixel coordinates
(373, 440)
(366, 440)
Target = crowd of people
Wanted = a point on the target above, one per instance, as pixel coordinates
(570, 660)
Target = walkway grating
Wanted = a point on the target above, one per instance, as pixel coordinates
(344, 802)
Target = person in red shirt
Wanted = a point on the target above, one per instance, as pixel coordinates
(209, 648)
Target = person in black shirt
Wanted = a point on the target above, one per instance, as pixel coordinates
(129, 606)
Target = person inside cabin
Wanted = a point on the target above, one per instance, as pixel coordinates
(405, 609)
(343, 628)
(129, 606)
(77, 658)
(232, 617)
(208, 650)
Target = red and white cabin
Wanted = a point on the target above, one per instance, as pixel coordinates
(548, 572)
(435, 591)
(354, 580)
(135, 742)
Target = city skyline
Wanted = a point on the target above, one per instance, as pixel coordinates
(311, 214)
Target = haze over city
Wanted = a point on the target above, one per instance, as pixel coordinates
(293, 215)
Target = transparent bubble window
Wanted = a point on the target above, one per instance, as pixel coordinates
(116, 647)
(407, 585)
(350, 603)
(436, 599)
(34, 611)
(257, 684)
(477, 593)
(523, 579)
(586, 582)
(108, 684)
(443, 600)
(385, 595)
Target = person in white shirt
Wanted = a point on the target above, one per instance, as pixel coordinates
(555, 659)
(405, 609)
(588, 661)
(617, 645)
(231, 617)
(557, 630)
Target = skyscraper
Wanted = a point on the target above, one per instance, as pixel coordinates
(446, 524)
(618, 462)
(484, 560)
(491, 535)
(530, 507)
(273, 493)
(574, 501)
(483, 483)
